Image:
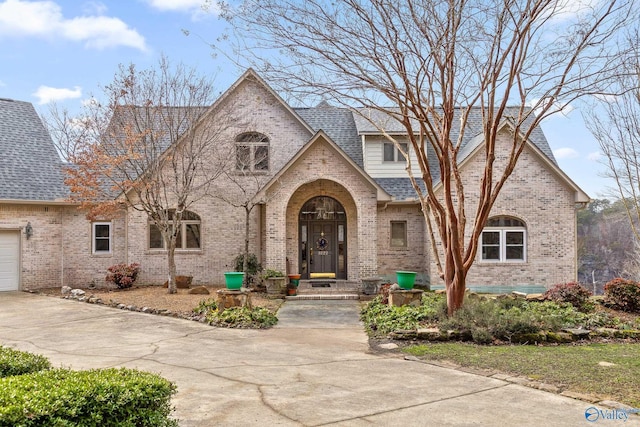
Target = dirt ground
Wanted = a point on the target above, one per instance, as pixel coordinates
(157, 297)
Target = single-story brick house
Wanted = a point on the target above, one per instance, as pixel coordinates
(341, 205)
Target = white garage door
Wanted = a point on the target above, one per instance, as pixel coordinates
(9, 260)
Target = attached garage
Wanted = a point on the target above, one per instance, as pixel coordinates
(9, 260)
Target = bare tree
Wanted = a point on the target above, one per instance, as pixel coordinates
(151, 147)
(615, 123)
(242, 185)
(426, 65)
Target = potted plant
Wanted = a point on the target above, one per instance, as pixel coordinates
(294, 279)
(275, 281)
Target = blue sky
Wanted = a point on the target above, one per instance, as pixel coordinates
(63, 51)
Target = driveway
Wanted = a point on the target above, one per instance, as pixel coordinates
(314, 368)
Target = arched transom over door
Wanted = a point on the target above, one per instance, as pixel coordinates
(323, 239)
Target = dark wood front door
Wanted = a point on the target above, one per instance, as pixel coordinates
(323, 243)
(322, 254)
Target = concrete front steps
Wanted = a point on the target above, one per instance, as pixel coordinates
(327, 289)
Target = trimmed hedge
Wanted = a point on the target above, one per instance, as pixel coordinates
(99, 397)
(14, 362)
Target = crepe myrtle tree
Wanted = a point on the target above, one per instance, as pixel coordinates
(425, 65)
(151, 146)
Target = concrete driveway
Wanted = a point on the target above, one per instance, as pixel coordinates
(314, 368)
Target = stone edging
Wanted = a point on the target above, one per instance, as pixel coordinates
(565, 336)
(80, 296)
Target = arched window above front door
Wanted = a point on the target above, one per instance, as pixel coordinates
(322, 208)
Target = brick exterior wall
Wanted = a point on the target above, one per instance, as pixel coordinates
(413, 257)
(537, 197)
(41, 255)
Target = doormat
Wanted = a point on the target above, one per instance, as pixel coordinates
(320, 284)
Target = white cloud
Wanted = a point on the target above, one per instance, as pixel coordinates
(44, 19)
(557, 109)
(565, 153)
(569, 9)
(197, 8)
(2, 84)
(46, 94)
(594, 157)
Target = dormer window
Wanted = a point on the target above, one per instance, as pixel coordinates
(252, 152)
(392, 153)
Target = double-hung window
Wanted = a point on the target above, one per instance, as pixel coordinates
(504, 239)
(101, 238)
(392, 153)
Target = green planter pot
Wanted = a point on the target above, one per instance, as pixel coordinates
(294, 279)
(234, 279)
(406, 279)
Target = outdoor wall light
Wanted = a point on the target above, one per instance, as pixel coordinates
(28, 230)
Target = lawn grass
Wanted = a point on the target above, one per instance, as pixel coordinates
(575, 367)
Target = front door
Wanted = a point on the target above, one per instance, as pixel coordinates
(323, 245)
(322, 248)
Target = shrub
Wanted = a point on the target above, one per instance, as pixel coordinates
(380, 319)
(14, 362)
(572, 293)
(243, 317)
(101, 397)
(623, 294)
(253, 266)
(269, 273)
(205, 306)
(123, 275)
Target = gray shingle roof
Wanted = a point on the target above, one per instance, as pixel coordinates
(30, 168)
(338, 123)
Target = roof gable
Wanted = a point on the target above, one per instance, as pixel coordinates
(321, 137)
(30, 168)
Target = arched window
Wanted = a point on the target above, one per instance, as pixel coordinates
(504, 239)
(252, 152)
(188, 234)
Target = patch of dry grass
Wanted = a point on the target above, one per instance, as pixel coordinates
(158, 298)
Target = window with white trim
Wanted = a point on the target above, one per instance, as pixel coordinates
(188, 238)
(503, 239)
(101, 238)
(252, 152)
(391, 153)
(398, 234)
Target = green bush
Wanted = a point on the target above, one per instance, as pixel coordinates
(14, 362)
(253, 266)
(572, 293)
(243, 317)
(206, 306)
(623, 294)
(380, 319)
(102, 397)
(482, 320)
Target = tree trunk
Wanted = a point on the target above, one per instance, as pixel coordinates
(245, 266)
(171, 287)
